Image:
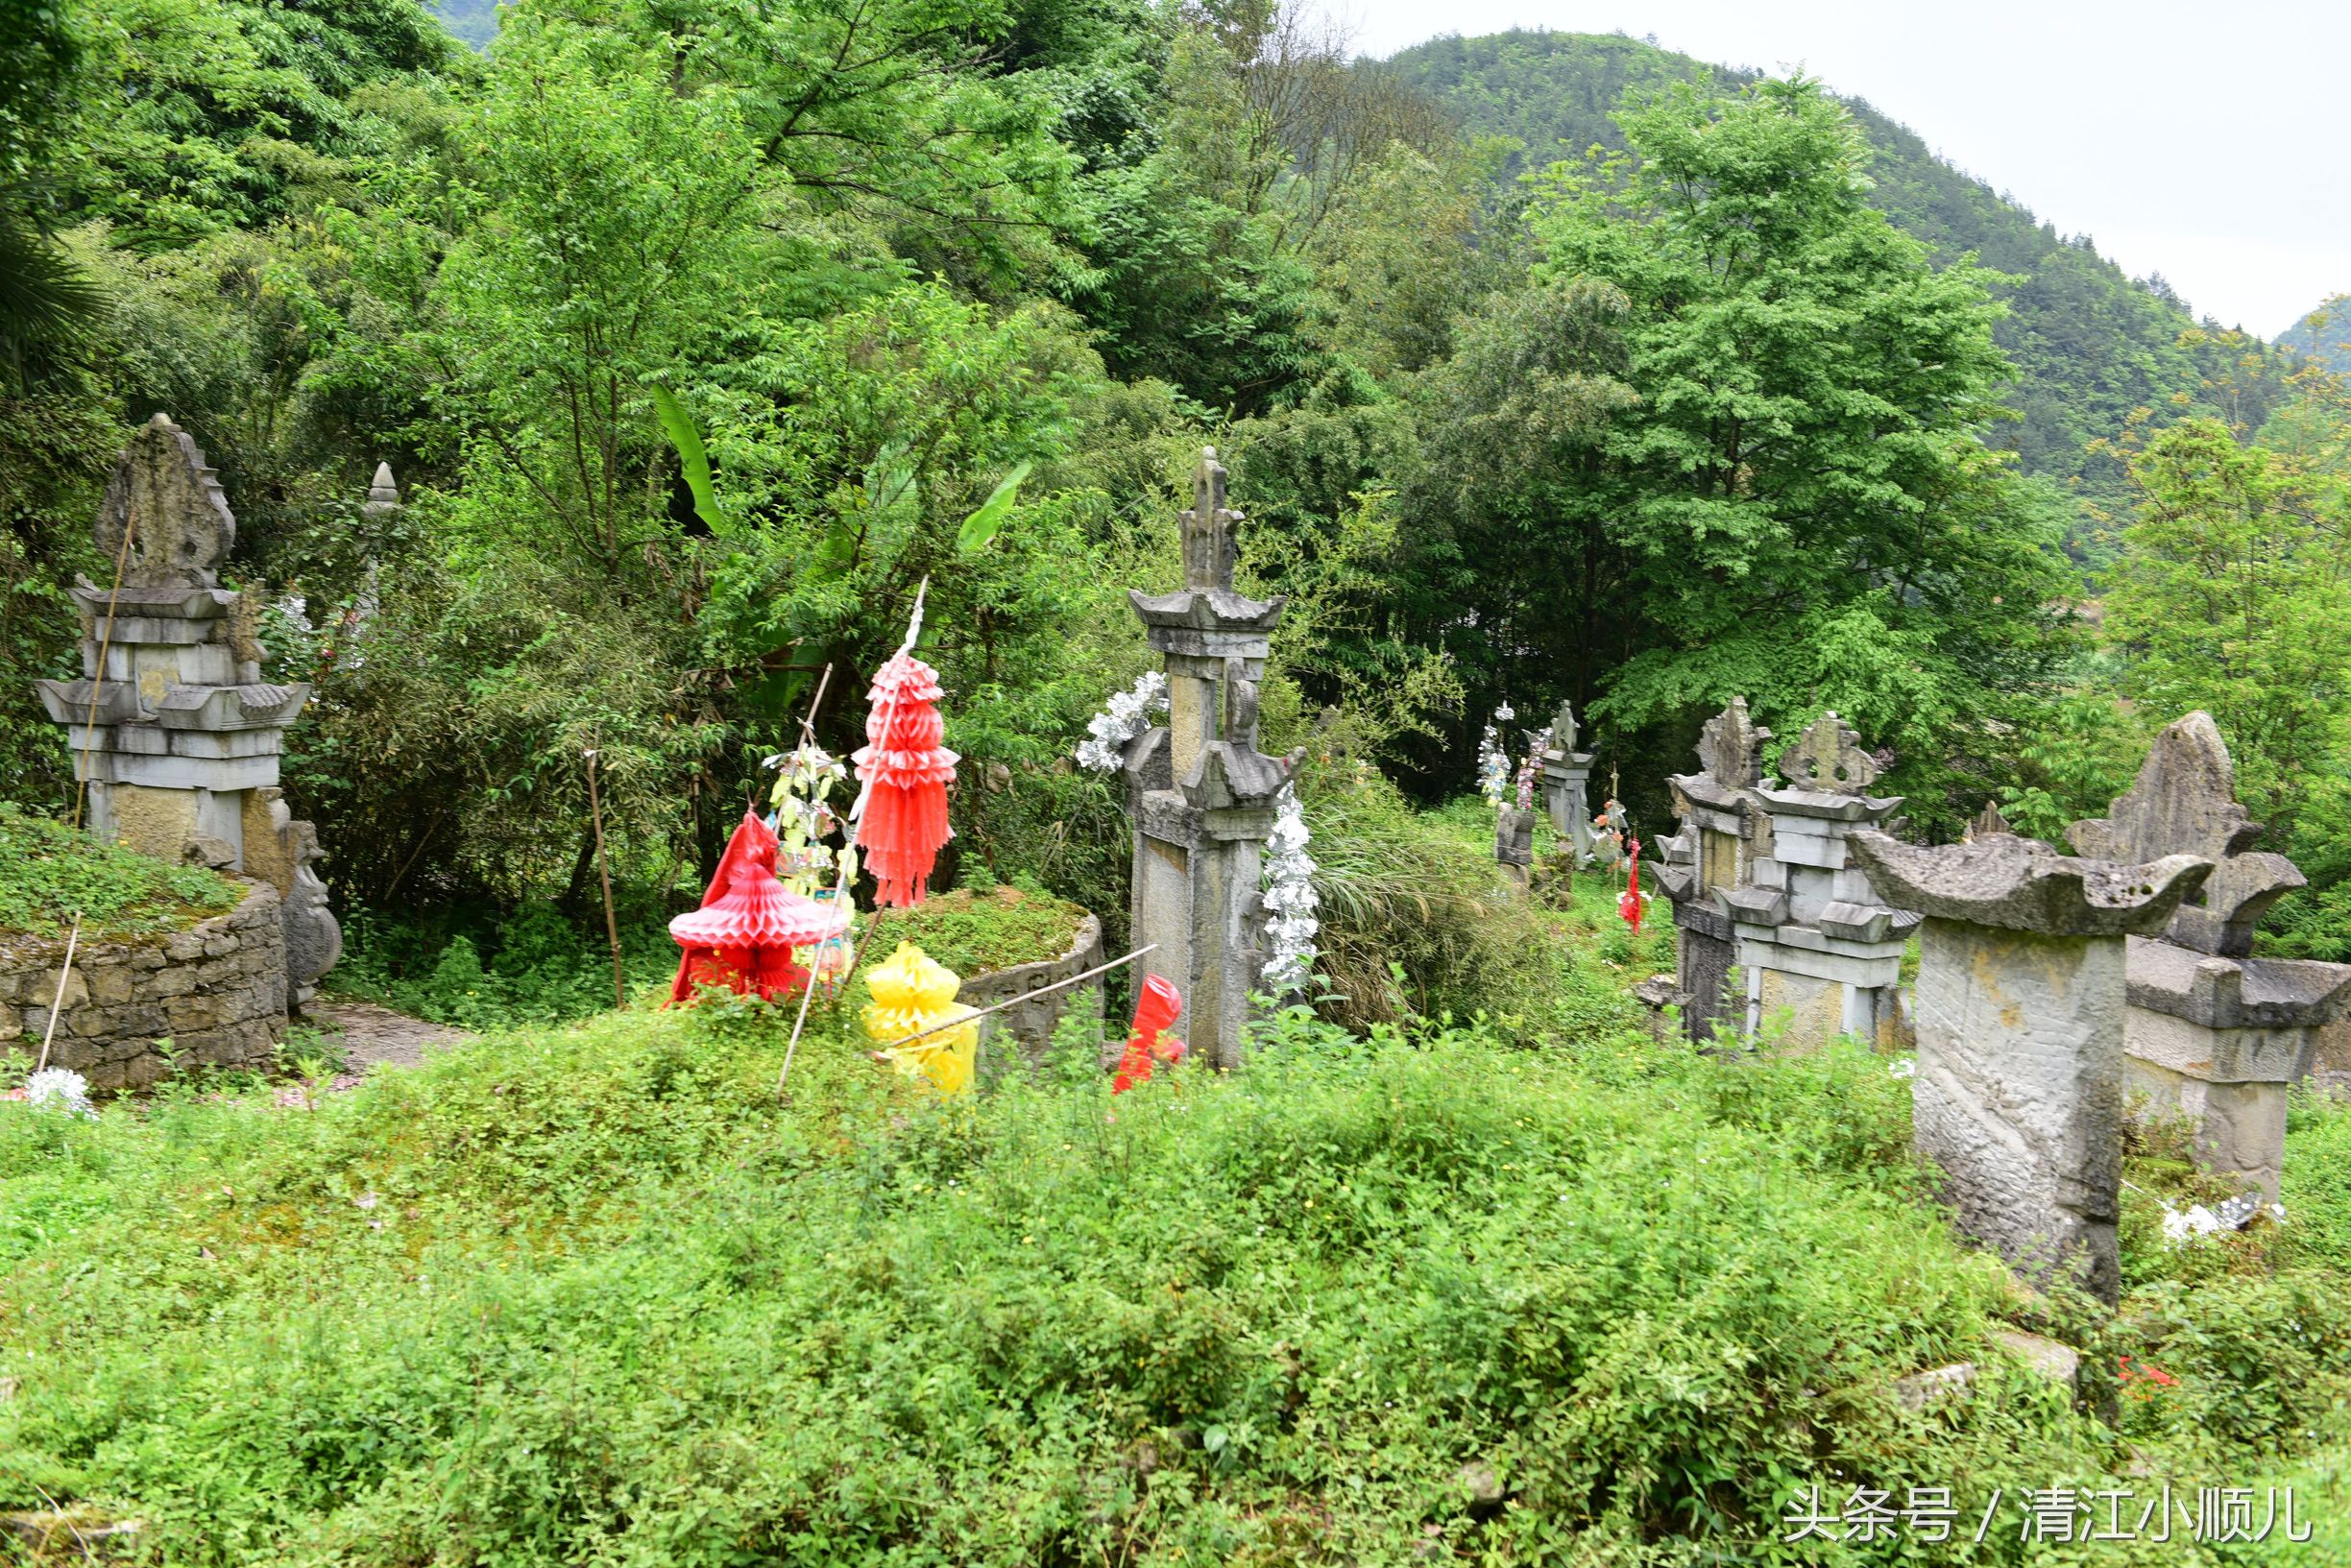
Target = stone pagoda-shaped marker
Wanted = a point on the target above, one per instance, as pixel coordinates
(1812, 936)
(177, 736)
(1566, 772)
(2209, 1030)
(1200, 791)
(2018, 1089)
(1711, 854)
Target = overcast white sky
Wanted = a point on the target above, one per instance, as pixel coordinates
(2208, 142)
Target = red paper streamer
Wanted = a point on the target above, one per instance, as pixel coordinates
(906, 772)
(1629, 902)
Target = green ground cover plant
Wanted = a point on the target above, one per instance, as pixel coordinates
(49, 872)
(590, 1294)
(975, 929)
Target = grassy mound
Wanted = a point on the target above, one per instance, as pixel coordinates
(590, 1295)
(49, 870)
(971, 930)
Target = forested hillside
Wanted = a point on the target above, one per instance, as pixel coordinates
(2323, 336)
(1499, 442)
(2089, 345)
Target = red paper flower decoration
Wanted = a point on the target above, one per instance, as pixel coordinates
(749, 921)
(907, 772)
(1156, 1011)
(1629, 903)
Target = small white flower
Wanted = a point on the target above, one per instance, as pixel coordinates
(60, 1087)
(1903, 1068)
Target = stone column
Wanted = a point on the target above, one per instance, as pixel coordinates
(173, 729)
(1811, 936)
(1709, 855)
(2018, 1089)
(1200, 791)
(2211, 1032)
(1567, 774)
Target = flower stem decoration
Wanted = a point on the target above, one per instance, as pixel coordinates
(1494, 761)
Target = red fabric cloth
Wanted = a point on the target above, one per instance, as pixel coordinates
(1156, 1011)
(743, 934)
(907, 772)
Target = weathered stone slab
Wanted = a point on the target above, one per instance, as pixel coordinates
(2017, 1093)
(2185, 803)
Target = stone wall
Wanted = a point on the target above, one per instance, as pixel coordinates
(217, 991)
(1030, 1025)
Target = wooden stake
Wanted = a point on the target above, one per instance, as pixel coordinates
(612, 926)
(106, 642)
(57, 1003)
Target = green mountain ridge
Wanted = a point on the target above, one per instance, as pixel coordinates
(2090, 344)
(2324, 335)
(472, 22)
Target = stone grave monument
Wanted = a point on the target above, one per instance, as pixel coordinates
(2209, 1030)
(1709, 855)
(1811, 936)
(2017, 1093)
(174, 731)
(1201, 792)
(1515, 844)
(1567, 774)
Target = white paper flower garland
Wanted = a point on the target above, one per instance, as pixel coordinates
(1128, 714)
(1290, 900)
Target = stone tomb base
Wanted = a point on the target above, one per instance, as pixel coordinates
(2018, 1092)
(217, 991)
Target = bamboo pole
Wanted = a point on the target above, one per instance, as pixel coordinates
(57, 1003)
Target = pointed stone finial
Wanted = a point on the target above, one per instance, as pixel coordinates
(168, 498)
(1208, 543)
(2185, 803)
(383, 495)
(1565, 729)
(1731, 747)
(1828, 758)
(1989, 823)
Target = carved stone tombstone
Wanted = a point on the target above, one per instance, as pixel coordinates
(2209, 1030)
(2018, 1095)
(1709, 854)
(173, 729)
(1514, 843)
(1812, 937)
(1201, 792)
(1567, 774)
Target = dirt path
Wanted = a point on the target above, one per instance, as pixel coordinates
(376, 1036)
